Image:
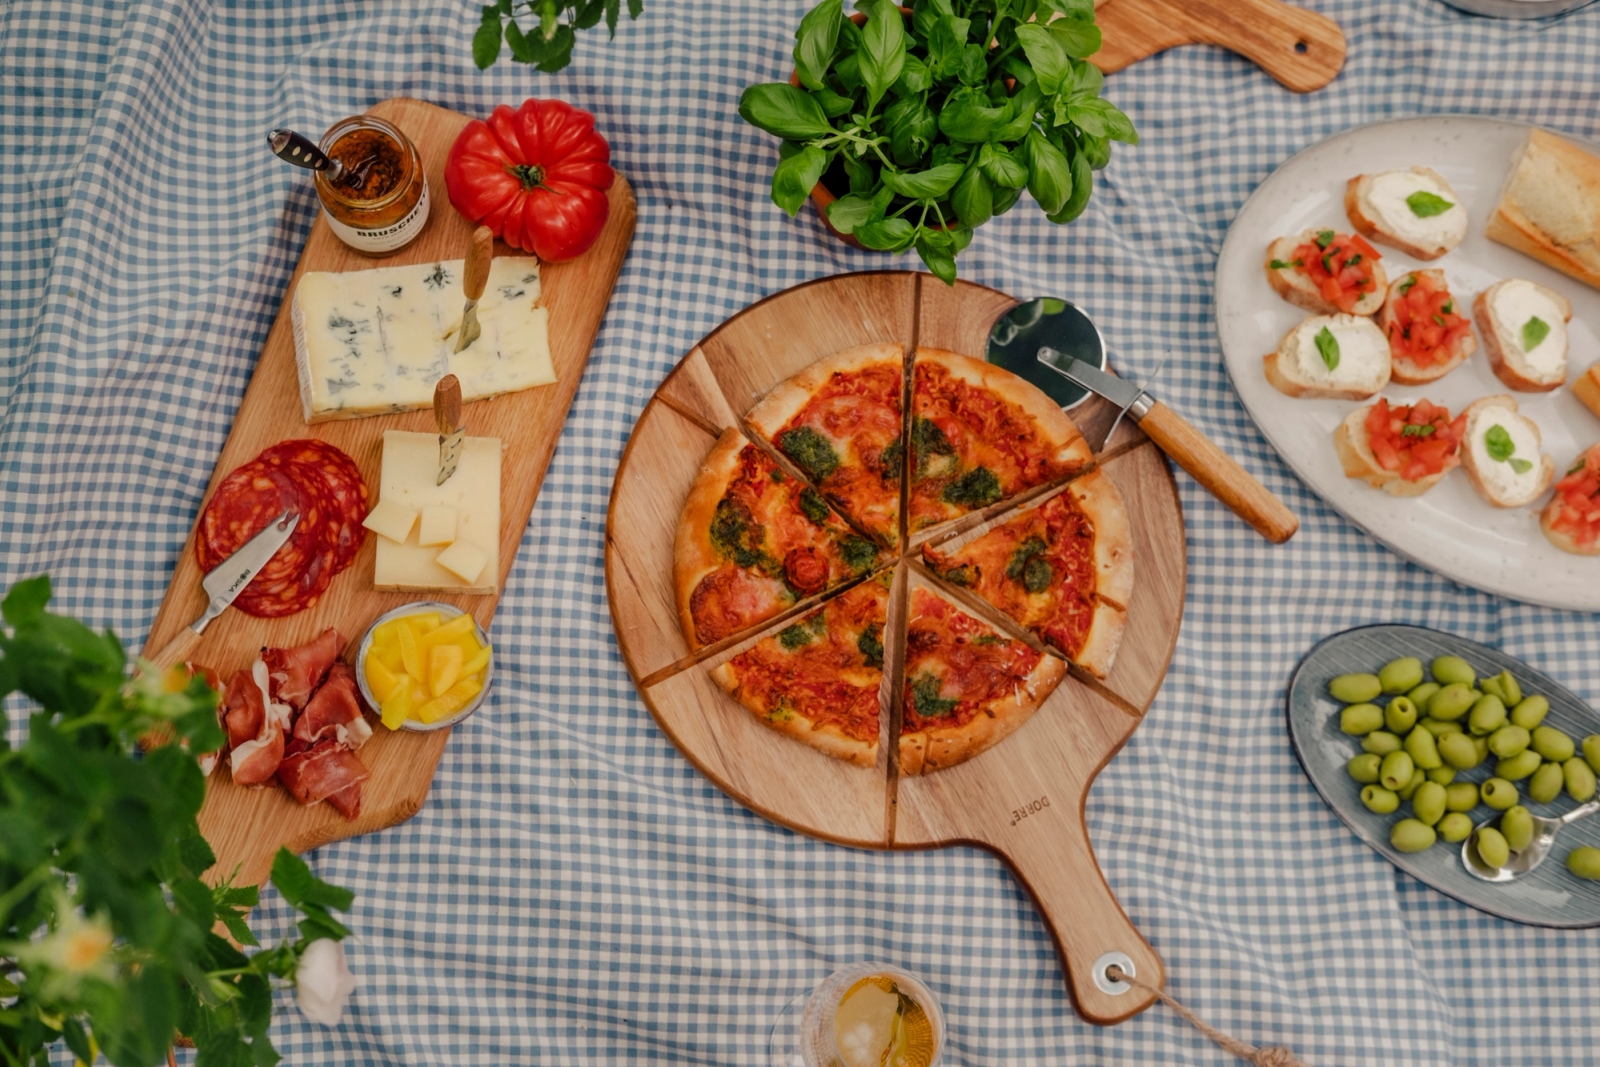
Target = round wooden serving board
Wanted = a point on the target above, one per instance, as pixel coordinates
(1023, 799)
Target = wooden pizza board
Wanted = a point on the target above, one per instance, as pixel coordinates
(246, 826)
(1023, 799)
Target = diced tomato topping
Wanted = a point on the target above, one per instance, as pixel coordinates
(1343, 271)
(1415, 441)
(1427, 323)
(1579, 496)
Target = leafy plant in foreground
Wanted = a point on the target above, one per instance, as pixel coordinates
(928, 127)
(548, 43)
(106, 938)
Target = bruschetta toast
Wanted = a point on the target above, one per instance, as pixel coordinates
(1572, 518)
(1428, 335)
(1402, 450)
(1587, 389)
(1328, 273)
(1524, 327)
(1501, 453)
(1342, 357)
(1414, 210)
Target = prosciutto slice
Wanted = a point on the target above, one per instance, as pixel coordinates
(323, 770)
(297, 672)
(244, 710)
(257, 760)
(334, 712)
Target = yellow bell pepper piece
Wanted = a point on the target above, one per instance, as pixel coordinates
(422, 622)
(475, 663)
(457, 697)
(389, 656)
(380, 679)
(444, 667)
(397, 707)
(461, 624)
(387, 633)
(411, 653)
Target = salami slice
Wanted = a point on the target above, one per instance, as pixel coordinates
(337, 483)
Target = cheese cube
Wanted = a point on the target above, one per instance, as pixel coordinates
(438, 525)
(370, 342)
(464, 561)
(410, 468)
(390, 520)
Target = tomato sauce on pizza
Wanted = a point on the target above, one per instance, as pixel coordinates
(957, 665)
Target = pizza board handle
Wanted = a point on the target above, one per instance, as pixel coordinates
(1217, 471)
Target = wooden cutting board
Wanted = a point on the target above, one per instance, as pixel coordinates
(1301, 49)
(246, 826)
(1023, 799)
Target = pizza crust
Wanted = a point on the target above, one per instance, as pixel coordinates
(784, 400)
(693, 556)
(826, 738)
(1113, 536)
(1060, 434)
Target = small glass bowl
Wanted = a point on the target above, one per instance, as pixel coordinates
(418, 607)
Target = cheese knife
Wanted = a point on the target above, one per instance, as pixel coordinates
(475, 279)
(1191, 449)
(226, 582)
(452, 433)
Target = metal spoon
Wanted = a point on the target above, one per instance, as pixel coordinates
(300, 150)
(1528, 860)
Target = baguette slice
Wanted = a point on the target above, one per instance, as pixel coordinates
(1587, 389)
(1496, 481)
(1405, 371)
(1358, 460)
(1298, 289)
(1564, 539)
(1502, 338)
(1366, 212)
(1549, 207)
(1297, 368)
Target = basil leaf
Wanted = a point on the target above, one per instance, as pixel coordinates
(485, 48)
(1279, 264)
(1006, 199)
(914, 78)
(1425, 205)
(1328, 346)
(1049, 173)
(796, 176)
(833, 104)
(1045, 55)
(973, 198)
(1497, 442)
(1405, 286)
(887, 235)
(783, 111)
(940, 260)
(848, 70)
(880, 203)
(1082, 187)
(1521, 466)
(883, 50)
(848, 212)
(1101, 118)
(863, 174)
(1534, 331)
(1325, 238)
(1098, 149)
(928, 184)
(966, 119)
(1024, 108)
(1086, 79)
(1004, 169)
(816, 41)
(1077, 39)
(927, 13)
(974, 65)
(911, 128)
(947, 45)
(1077, 10)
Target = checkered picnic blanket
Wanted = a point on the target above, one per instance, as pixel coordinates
(574, 892)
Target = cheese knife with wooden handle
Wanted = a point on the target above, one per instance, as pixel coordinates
(475, 279)
(452, 432)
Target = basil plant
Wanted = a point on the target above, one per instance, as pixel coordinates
(927, 126)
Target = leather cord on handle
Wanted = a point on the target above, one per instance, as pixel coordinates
(1275, 1056)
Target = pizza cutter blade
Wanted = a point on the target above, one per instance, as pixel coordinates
(1046, 322)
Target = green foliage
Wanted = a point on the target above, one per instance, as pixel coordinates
(938, 122)
(106, 937)
(553, 26)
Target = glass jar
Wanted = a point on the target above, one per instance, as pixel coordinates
(388, 207)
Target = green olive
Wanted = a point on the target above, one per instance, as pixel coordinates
(1424, 749)
(1381, 743)
(1453, 670)
(1364, 768)
(1442, 775)
(1518, 767)
(1498, 793)
(1455, 827)
(1407, 791)
(1423, 693)
(1503, 685)
(1591, 752)
(1355, 688)
(1584, 862)
(1439, 729)
(1451, 702)
(1427, 803)
(1359, 720)
(1508, 741)
(1492, 847)
(1488, 714)
(1461, 796)
(1379, 800)
(1516, 826)
(1530, 712)
(1552, 744)
(1482, 745)
(1412, 835)
(1400, 715)
(1458, 751)
(1546, 783)
(1401, 675)
(1580, 780)
(1396, 770)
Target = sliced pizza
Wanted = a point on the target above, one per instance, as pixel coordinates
(967, 686)
(819, 680)
(980, 435)
(840, 422)
(1063, 569)
(752, 541)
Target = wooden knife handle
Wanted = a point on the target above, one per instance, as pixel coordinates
(479, 256)
(177, 650)
(447, 403)
(1216, 470)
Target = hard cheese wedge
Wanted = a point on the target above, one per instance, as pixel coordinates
(410, 468)
(371, 342)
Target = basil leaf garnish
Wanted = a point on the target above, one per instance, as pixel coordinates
(1497, 442)
(1325, 238)
(1328, 346)
(1425, 205)
(1534, 331)
(1405, 286)
(1521, 466)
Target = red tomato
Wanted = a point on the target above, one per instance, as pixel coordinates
(536, 176)
(1579, 493)
(1427, 322)
(1341, 271)
(1416, 440)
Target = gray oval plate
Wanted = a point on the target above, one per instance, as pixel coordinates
(1550, 896)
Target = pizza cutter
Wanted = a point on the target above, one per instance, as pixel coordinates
(1054, 345)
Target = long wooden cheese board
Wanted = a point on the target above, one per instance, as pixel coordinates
(1023, 800)
(246, 826)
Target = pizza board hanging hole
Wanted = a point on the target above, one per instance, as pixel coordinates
(1113, 987)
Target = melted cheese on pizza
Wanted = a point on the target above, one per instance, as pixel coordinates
(955, 665)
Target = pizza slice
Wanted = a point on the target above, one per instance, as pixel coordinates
(819, 680)
(1062, 569)
(980, 435)
(840, 422)
(752, 541)
(967, 686)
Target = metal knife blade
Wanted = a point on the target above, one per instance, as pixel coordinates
(474, 280)
(230, 577)
(1119, 391)
(470, 330)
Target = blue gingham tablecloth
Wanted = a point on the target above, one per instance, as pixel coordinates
(573, 892)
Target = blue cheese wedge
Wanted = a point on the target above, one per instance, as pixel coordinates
(410, 469)
(372, 342)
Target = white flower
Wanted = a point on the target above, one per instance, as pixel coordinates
(323, 982)
(78, 948)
